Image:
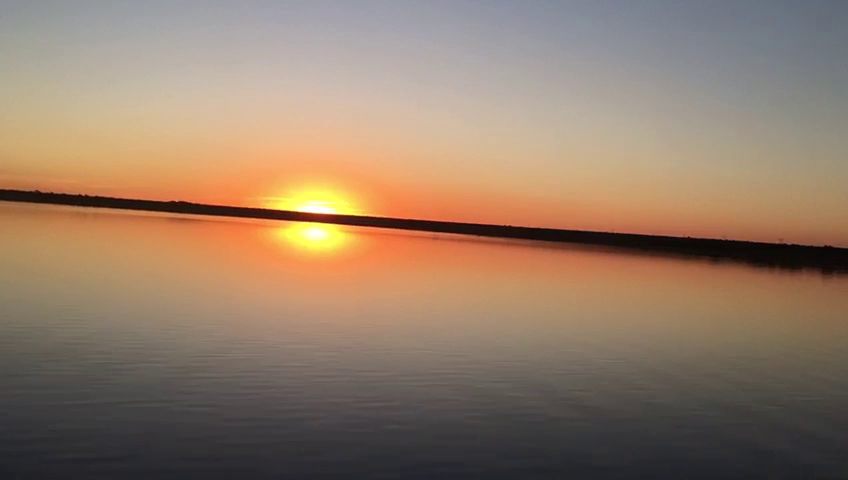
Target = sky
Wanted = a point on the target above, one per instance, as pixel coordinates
(719, 119)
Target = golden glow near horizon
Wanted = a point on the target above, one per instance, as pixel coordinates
(317, 207)
(313, 238)
(314, 200)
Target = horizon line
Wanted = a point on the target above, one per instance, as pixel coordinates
(827, 258)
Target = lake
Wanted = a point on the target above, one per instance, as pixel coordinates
(140, 345)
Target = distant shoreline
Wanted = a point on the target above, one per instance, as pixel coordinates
(826, 259)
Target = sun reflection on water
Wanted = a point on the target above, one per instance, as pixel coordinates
(314, 238)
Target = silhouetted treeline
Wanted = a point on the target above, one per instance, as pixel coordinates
(824, 258)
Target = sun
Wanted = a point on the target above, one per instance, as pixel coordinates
(316, 206)
(310, 238)
(323, 200)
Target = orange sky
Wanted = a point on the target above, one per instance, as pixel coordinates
(675, 120)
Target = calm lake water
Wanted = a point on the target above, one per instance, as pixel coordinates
(145, 346)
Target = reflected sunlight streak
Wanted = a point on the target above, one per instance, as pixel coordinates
(313, 238)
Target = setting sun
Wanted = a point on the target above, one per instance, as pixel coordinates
(314, 200)
(313, 238)
(316, 207)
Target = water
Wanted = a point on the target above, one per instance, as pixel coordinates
(145, 346)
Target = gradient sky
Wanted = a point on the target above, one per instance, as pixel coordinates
(722, 119)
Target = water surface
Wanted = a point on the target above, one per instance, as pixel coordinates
(145, 346)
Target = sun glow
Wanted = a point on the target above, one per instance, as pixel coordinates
(314, 200)
(316, 207)
(314, 238)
